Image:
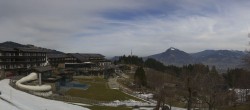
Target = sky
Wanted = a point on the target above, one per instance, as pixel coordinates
(115, 27)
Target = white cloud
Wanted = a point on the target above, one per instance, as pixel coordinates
(79, 25)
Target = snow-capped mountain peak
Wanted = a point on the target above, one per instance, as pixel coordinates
(171, 49)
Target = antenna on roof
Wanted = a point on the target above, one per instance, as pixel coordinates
(131, 52)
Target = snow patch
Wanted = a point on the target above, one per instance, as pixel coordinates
(172, 48)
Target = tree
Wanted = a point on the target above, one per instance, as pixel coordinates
(152, 63)
(140, 78)
(130, 60)
(247, 57)
(188, 90)
(191, 76)
(166, 95)
(211, 89)
(238, 79)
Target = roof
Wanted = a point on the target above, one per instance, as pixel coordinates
(43, 68)
(56, 55)
(30, 49)
(79, 57)
(91, 55)
(83, 57)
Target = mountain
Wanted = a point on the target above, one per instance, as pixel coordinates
(222, 59)
(173, 56)
(10, 44)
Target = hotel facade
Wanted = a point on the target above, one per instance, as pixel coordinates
(21, 58)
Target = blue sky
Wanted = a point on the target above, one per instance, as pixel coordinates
(114, 27)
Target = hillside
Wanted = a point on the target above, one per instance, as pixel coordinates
(10, 44)
(222, 59)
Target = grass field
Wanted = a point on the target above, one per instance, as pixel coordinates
(98, 90)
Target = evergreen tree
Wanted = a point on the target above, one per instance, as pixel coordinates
(140, 77)
(152, 63)
(130, 60)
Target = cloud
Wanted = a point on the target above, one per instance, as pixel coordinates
(115, 27)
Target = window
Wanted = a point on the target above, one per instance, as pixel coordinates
(20, 54)
(8, 60)
(7, 54)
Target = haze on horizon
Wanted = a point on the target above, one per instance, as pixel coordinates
(114, 27)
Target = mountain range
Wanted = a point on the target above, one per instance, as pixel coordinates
(222, 59)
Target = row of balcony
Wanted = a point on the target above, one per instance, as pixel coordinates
(25, 54)
(20, 62)
(22, 57)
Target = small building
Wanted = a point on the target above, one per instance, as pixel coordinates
(46, 71)
(46, 76)
(66, 77)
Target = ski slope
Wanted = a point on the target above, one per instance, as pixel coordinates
(12, 99)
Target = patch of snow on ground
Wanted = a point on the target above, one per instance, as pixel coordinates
(130, 103)
(133, 103)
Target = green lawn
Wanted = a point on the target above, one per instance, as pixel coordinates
(98, 90)
(108, 108)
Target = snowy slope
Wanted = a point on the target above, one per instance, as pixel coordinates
(6, 106)
(23, 101)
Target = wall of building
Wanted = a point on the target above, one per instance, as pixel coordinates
(10, 60)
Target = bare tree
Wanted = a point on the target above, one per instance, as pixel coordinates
(167, 95)
(246, 59)
(210, 90)
(189, 89)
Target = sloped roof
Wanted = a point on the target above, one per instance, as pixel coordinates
(88, 55)
(30, 49)
(79, 57)
(83, 57)
(56, 55)
(43, 68)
